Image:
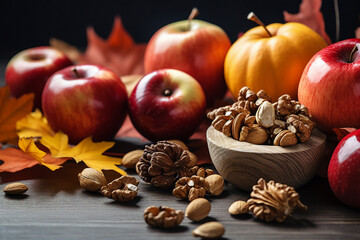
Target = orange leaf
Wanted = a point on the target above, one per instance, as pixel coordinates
(33, 125)
(310, 15)
(119, 52)
(12, 110)
(15, 160)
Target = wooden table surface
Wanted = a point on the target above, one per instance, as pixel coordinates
(55, 207)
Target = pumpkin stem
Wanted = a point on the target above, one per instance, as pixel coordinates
(193, 14)
(254, 18)
(353, 51)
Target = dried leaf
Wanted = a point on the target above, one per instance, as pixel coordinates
(56, 143)
(15, 160)
(357, 32)
(33, 125)
(29, 147)
(119, 52)
(310, 15)
(12, 110)
(91, 154)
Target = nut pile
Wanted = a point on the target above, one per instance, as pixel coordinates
(254, 119)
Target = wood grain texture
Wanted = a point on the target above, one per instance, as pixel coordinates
(56, 208)
(243, 163)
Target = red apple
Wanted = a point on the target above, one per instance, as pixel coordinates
(197, 48)
(344, 170)
(29, 70)
(330, 86)
(167, 104)
(85, 100)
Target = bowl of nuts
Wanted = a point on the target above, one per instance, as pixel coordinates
(254, 138)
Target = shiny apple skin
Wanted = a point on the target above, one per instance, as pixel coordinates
(344, 170)
(158, 117)
(94, 103)
(29, 70)
(330, 86)
(199, 52)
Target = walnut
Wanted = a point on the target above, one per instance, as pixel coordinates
(273, 201)
(163, 163)
(163, 217)
(285, 138)
(190, 188)
(263, 95)
(218, 111)
(285, 106)
(295, 125)
(301, 109)
(122, 189)
(247, 99)
(201, 172)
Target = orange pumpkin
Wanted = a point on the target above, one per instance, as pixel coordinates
(275, 63)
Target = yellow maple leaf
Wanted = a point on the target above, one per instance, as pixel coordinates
(91, 154)
(33, 125)
(28, 146)
(56, 143)
(12, 110)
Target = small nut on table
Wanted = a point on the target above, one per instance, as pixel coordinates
(91, 179)
(239, 207)
(122, 189)
(198, 209)
(131, 158)
(15, 188)
(209, 230)
(163, 217)
(214, 184)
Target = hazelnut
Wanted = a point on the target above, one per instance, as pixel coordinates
(91, 179)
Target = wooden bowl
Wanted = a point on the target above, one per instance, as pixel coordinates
(243, 163)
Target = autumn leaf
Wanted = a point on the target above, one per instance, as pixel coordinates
(12, 110)
(119, 52)
(29, 147)
(91, 154)
(15, 160)
(310, 15)
(33, 125)
(56, 143)
(342, 132)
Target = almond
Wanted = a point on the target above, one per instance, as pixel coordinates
(15, 188)
(198, 209)
(131, 158)
(209, 230)
(214, 184)
(238, 207)
(91, 179)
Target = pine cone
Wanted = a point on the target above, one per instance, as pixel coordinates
(273, 201)
(163, 163)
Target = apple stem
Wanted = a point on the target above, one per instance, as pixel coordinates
(193, 14)
(353, 51)
(254, 18)
(167, 92)
(76, 72)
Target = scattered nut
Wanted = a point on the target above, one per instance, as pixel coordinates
(201, 172)
(209, 230)
(130, 159)
(15, 188)
(193, 159)
(238, 207)
(91, 179)
(214, 184)
(198, 209)
(163, 217)
(180, 143)
(190, 188)
(122, 189)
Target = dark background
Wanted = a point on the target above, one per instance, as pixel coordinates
(31, 23)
